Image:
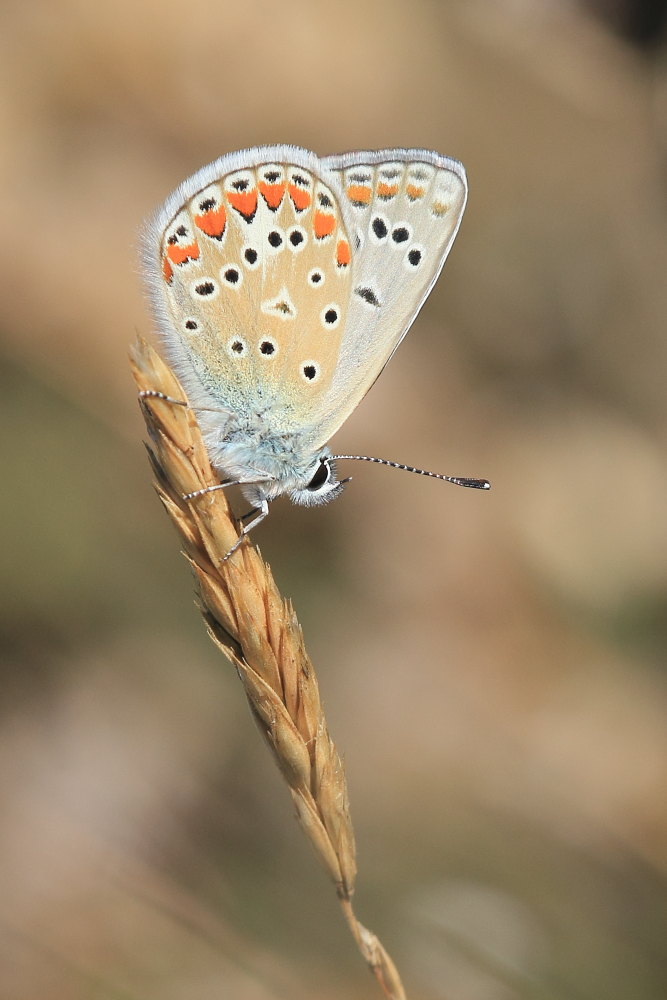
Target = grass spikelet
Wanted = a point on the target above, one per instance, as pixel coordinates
(258, 632)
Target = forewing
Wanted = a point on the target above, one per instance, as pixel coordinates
(403, 209)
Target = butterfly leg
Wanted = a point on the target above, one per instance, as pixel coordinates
(154, 394)
(257, 514)
(244, 480)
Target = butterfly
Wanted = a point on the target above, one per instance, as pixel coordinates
(282, 284)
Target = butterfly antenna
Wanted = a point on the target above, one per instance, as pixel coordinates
(475, 484)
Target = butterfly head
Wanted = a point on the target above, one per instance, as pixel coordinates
(321, 485)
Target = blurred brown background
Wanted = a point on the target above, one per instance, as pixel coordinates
(493, 666)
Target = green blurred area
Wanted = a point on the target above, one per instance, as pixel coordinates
(492, 666)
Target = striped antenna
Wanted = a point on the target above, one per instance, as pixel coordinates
(475, 484)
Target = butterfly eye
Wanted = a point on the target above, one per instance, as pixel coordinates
(320, 478)
(323, 486)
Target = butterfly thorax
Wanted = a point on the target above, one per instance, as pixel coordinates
(245, 449)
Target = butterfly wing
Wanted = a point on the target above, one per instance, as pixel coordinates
(403, 209)
(249, 264)
(283, 283)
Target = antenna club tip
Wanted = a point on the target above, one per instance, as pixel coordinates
(475, 484)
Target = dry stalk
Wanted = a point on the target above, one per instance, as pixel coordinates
(258, 631)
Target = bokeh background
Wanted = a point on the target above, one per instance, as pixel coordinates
(492, 665)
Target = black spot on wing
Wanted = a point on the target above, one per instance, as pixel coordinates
(368, 295)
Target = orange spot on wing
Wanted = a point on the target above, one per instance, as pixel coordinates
(360, 194)
(181, 255)
(245, 202)
(212, 222)
(413, 191)
(440, 208)
(323, 224)
(272, 193)
(343, 255)
(301, 199)
(167, 270)
(387, 190)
